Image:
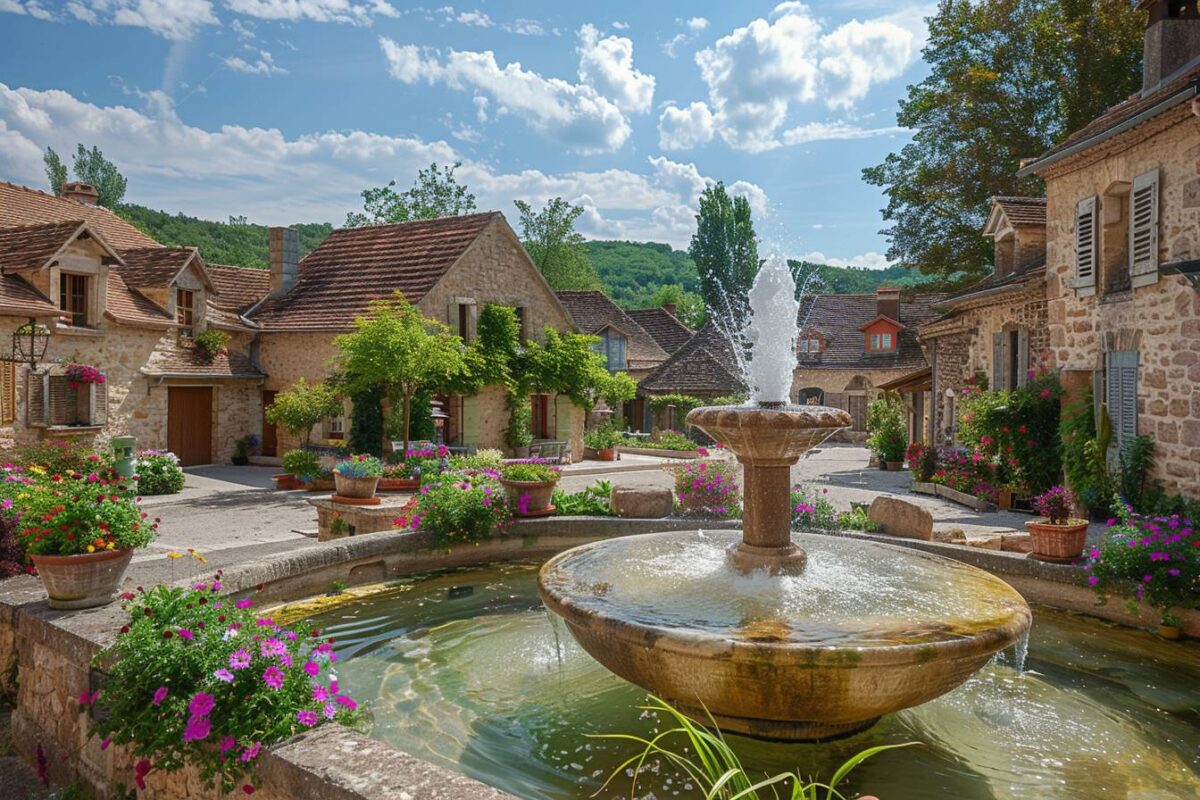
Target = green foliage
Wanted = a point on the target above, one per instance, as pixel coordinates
(714, 767)
(197, 679)
(488, 458)
(1083, 461)
(455, 509)
(1007, 78)
(66, 514)
(1152, 558)
(708, 488)
(555, 246)
(519, 432)
(829, 279)
(236, 242)
(366, 421)
(683, 403)
(630, 271)
(1019, 428)
(56, 171)
(856, 520)
(816, 513)
(89, 166)
(302, 405)
(434, 193)
(725, 250)
(302, 464)
(604, 436)
(615, 388)
(888, 427)
(666, 440)
(361, 465)
(498, 342)
(212, 343)
(529, 472)
(58, 456)
(566, 364)
(158, 473)
(591, 502)
(689, 306)
(1136, 458)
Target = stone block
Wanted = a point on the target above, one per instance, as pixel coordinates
(1016, 542)
(988, 541)
(641, 501)
(950, 536)
(898, 517)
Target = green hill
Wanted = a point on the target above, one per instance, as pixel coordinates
(631, 271)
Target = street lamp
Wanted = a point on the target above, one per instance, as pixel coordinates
(29, 343)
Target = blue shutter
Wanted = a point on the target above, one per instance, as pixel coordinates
(1121, 396)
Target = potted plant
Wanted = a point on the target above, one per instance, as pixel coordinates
(299, 467)
(889, 431)
(80, 531)
(604, 439)
(1058, 537)
(529, 485)
(357, 476)
(322, 481)
(406, 471)
(243, 448)
(1170, 627)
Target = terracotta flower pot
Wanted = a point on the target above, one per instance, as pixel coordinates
(287, 482)
(398, 485)
(362, 488)
(1058, 542)
(539, 493)
(319, 485)
(1171, 632)
(894, 466)
(87, 580)
(607, 454)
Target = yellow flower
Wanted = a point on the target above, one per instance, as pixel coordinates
(173, 554)
(110, 546)
(24, 496)
(91, 548)
(37, 470)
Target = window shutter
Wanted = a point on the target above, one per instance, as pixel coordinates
(562, 418)
(1085, 247)
(99, 403)
(470, 420)
(1022, 357)
(59, 398)
(1121, 397)
(1143, 230)
(998, 361)
(8, 393)
(35, 398)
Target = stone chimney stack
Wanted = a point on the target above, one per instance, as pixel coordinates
(80, 192)
(887, 302)
(670, 308)
(285, 259)
(1172, 38)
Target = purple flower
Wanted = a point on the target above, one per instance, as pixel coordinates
(1093, 580)
(272, 647)
(227, 744)
(312, 667)
(273, 677)
(223, 675)
(244, 603)
(160, 694)
(346, 701)
(319, 693)
(251, 752)
(239, 659)
(306, 717)
(201, 704)
(184, 633)
(330, 710)
(197, 728)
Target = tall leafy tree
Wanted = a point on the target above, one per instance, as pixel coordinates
(89, 166)
(56, 171)
(725, 250)
(1008, 78)
(302, 405)
(435, 193)
(555, 246)
(689, 306)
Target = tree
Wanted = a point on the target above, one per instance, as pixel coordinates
(89, 166)
(725, 250)
(56, 171)
(555, 246)
(435, 193)
(566, 364)
(398, 350)
(689, 306)
(301, 406)
(1008, 78)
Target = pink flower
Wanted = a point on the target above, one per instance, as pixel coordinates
(244, 603)
(1044, 393)
(251, 752)
(160, 694)
(239, 659)
(140, 770)
(273, 677)
(346, 702)
(201, 704)
(223, 675)
(184, 633)
(319, 693)
(312, 667)
(306, 717)
(227, 744)
(330, 710)
(197, 729)
(104, 745)
(86, 698)
(1093, 580)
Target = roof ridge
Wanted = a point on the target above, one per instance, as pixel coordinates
(423, 221)
(32, 225)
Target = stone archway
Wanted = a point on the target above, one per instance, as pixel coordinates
(857, 392)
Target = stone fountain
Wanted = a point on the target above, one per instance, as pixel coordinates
(766, 632)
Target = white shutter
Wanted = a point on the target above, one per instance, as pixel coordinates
(1143, 230)
(1085, 247)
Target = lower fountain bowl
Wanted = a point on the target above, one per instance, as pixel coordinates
(782, 657)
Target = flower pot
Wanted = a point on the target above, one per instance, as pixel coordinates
(319, 485)
(893, 466)
(87, 580)
(539, 493)
(359, 488)
(1171, 632)
(1004, 499)
(287, 482)
(607, 454)
(398, 485)
(1062, 543)
(240, 461)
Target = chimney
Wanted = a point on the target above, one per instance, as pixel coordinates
(887, 302)
(80, 192)
(670, 309)
(285, 259)
(1172, 39)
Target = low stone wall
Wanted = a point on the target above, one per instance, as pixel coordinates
(660, 453)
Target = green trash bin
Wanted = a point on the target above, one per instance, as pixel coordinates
(124, 451)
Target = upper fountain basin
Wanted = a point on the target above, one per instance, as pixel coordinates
(769, 435)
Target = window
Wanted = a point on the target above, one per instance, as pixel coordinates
(336, 428)
(879, 342)
(50, 400)
(612, 346)
(810, 344)
(464, 321)
(1143, 230)
(184, 301)
(1085, 247)
(73, 298)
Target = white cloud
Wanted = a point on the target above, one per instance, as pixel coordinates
(868, 260)
(342, 11)
(80, 12)
(244, 30)
(475, 18)
(171, 19)
(758, 73)
(691, 29)
(617, 25)
(685, 128)
(696, 24)
(826, 131)
(31, 7)
(573, 114)
(264, 65)
(524, 27)
(274, 179)
(606, 64)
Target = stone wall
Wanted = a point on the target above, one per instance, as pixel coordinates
(1162, 320)
(838, 384)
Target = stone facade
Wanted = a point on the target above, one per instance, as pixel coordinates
(852, 390)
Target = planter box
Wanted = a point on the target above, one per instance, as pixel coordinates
(398, 484)
(287, 482)
(938, 490)
(921, 487)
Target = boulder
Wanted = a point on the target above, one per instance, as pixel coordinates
(1016, 542)
(642, 501)
(898, 517)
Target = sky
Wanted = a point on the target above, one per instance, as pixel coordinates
(283, 111)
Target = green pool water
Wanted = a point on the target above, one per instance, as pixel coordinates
(466, 669)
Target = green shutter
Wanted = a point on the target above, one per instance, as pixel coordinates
(1121, 395)
(562, 418)
(470, 420)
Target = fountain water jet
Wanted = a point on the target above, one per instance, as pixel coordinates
(743, 627)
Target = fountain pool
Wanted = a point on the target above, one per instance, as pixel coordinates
(468, 670)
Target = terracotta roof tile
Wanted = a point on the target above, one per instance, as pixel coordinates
(130, 307)
(19, 299)
(1015, 278)
(663, 327)
(154, 266)
(838, 318)
(353, 266)
(703, 366)
(238, 288)
(593, 311)
(23, 206)
(1023, 210)
(173, 359)
(32, 246)
(226, 319)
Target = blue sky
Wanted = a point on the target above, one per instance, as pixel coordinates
(283, 110)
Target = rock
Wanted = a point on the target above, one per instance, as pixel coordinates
(950, 536)
(1016, 542)
(901, 518)
(988, 541)
(641, 501)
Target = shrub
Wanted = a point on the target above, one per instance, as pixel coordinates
(529, 472)
(1017, 428)
(1084, 459)
(604, 436)
(456, 509)
(592, 501)
(302, 406)
(519, 432)
(196, 678)
(856, 520)
(488, 458)
(888, 427)
(360, 466)
(1152, 558)
(246, 445)
(922, 460)
(815, 514)
(708, 488)
(970, 473)
(1056, 505)
(12, 549)
(59, 457)
(302, 464)
(212, 343)
(366, 421)
(670, 440)
(1136, 458)
(77, 513)
(158, 472)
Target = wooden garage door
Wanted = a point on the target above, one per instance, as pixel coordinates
(189, 423)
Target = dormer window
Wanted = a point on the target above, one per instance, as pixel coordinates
(881, 335)
(612, 346)
(73, 298)
(879, 342)
(809, 343)
(185, 311)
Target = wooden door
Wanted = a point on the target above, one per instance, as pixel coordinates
(270, 438)
(189, 423)
(857, 407)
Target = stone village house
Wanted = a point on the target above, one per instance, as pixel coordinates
(113, 298)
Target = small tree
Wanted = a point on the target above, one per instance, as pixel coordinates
(366, 421)
(397, 349)
(555, 246)
(435, 193)
(302, 406)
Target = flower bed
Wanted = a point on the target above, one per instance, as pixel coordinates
(971, 473)
(458, 508)
(708, 488)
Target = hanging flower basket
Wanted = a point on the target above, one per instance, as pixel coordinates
(80, 375)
